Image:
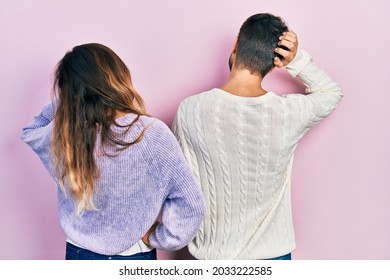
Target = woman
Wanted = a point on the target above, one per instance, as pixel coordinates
(114, 166)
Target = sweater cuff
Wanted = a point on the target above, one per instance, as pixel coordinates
(301, 59)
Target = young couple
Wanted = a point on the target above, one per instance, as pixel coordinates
(222, 185)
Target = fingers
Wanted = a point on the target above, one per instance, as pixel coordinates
(287, 49)
(289, 40)
(282, 52)
(278, 63)
(289, 36)
(289, 45)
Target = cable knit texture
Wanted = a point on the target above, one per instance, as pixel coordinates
(134, 186)
(241, 150)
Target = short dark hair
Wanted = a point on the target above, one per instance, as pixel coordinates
(257, 40)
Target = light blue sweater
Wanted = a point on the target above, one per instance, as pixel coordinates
(146, 178)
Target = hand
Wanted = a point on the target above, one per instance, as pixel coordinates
(145, 238)
(289, 41)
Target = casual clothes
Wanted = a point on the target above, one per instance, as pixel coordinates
(133, 187)
(76, 253)
(241, 152)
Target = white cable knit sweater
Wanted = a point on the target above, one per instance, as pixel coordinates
(241, 151)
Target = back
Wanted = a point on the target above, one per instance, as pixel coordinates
(134, 186)
(241, 151)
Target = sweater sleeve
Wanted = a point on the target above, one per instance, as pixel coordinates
(184, 208)
(322, 93)
(38, 134)
(179, 134)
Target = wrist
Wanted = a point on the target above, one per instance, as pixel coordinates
(146, 240)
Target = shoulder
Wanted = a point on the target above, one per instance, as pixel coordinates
(199, 97)
(142, 122)
(152, 128)
(193, 105)
(293, 96)
(154, 124)
(159, 141)
(157, 131)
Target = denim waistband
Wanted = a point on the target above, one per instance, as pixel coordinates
(74, 252)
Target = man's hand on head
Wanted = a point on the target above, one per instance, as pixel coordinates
(289, 41)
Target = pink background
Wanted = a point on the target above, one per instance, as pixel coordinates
(179, 48)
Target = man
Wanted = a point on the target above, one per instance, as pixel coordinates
(239, 140)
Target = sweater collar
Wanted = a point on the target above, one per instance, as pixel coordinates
(254, 100)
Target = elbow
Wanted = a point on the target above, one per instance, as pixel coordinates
(177, 243)
(336, 95)
(169, 241)
(339, 92)
(340, 95)
(173, 237)
(25, 135)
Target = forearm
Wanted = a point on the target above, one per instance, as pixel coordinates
(175, 232)
(323, 94)
(37, 134)
(183, 208)
(41, 120)
(182, 212)
(314, 78)
(179, 133)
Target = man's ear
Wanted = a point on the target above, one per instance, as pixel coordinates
(234, 50)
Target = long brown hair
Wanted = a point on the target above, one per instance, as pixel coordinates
(92, 84)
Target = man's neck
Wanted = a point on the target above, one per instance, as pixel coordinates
(243, 83)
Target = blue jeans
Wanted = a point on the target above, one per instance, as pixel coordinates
(76, 253)
(285, 257)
